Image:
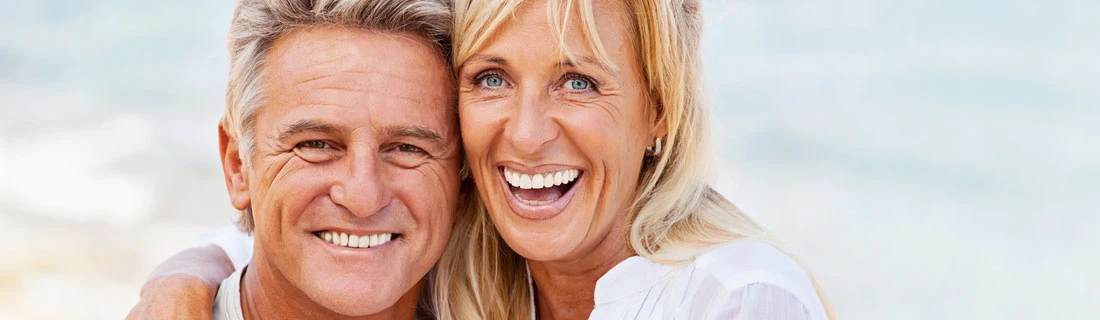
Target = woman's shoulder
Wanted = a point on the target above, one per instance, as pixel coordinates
(749, 265)
(748, 257)
(747, 279)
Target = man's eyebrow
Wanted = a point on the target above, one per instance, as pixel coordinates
(307, 125)
(585, 60)
(413, 131)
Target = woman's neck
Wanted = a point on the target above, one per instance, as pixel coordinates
(565, 289)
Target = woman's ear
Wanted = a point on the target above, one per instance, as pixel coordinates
(236, 177)
(657, 118)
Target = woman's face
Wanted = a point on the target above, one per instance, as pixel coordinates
(556, 145)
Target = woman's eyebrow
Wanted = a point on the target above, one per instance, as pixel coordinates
(488, 59)
(564, 63)
(585, 60)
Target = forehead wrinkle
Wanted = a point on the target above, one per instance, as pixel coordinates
(370, 86)
(304, 67)
(345, 78)
(389, 84)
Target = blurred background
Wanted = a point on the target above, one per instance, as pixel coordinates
(928, 159)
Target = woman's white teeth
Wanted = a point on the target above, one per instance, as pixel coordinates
(356, 241)
(541, 180)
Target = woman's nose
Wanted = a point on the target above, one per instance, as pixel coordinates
(531, 129)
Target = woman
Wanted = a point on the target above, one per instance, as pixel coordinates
(606, 94)
(586, 133)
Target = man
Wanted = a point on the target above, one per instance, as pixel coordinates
(340, 146)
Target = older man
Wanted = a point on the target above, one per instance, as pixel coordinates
(340, 146)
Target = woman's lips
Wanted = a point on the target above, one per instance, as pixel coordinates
(542, 195)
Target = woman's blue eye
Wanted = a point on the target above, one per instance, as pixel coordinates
(493, 81)
(577, 84)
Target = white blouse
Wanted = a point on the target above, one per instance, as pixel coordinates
(740, 280)
(746, 280)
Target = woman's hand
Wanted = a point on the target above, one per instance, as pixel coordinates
(184, 286)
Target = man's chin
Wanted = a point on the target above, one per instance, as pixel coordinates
(354, 284)
(354, 297)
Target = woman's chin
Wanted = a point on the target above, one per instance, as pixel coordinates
(543, 251)
(542, 240)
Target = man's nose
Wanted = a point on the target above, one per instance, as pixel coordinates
(530, 130)
(363, 189)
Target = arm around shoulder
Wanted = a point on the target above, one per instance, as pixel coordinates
(184, 286)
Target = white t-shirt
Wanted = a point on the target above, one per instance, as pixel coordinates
(227, 304)
(236, 244)
(741, 280)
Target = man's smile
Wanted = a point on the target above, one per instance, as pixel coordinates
(362, 241)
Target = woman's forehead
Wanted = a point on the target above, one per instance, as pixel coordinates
(599, 32)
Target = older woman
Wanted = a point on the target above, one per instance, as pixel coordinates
(587, 135)
(586, 132)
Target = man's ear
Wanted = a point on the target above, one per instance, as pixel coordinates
(236, 178)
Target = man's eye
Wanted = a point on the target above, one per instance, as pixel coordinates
(577, 84)
(406, 155)
(313, 144)
(409, 148)
(316, 151)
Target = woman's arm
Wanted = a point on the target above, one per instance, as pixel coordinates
(184, 286)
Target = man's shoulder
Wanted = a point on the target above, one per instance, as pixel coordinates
(227, 303)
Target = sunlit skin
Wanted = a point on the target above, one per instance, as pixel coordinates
(526, 107)
(358, 135)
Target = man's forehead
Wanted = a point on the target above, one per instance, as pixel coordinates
(350, 78)
(305, 52)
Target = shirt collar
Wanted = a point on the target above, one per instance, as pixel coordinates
(633, 275)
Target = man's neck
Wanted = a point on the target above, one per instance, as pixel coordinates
(266, 294)
(566, 289)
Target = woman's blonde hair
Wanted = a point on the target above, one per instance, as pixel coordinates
(258, 23)
(676, 213)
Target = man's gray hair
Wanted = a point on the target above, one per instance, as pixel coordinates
(257, 23)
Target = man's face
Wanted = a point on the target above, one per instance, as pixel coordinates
(358, 139)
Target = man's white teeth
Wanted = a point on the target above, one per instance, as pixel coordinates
(541, 180)
(356, 241)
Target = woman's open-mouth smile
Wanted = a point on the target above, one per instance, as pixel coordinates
(539, 195)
